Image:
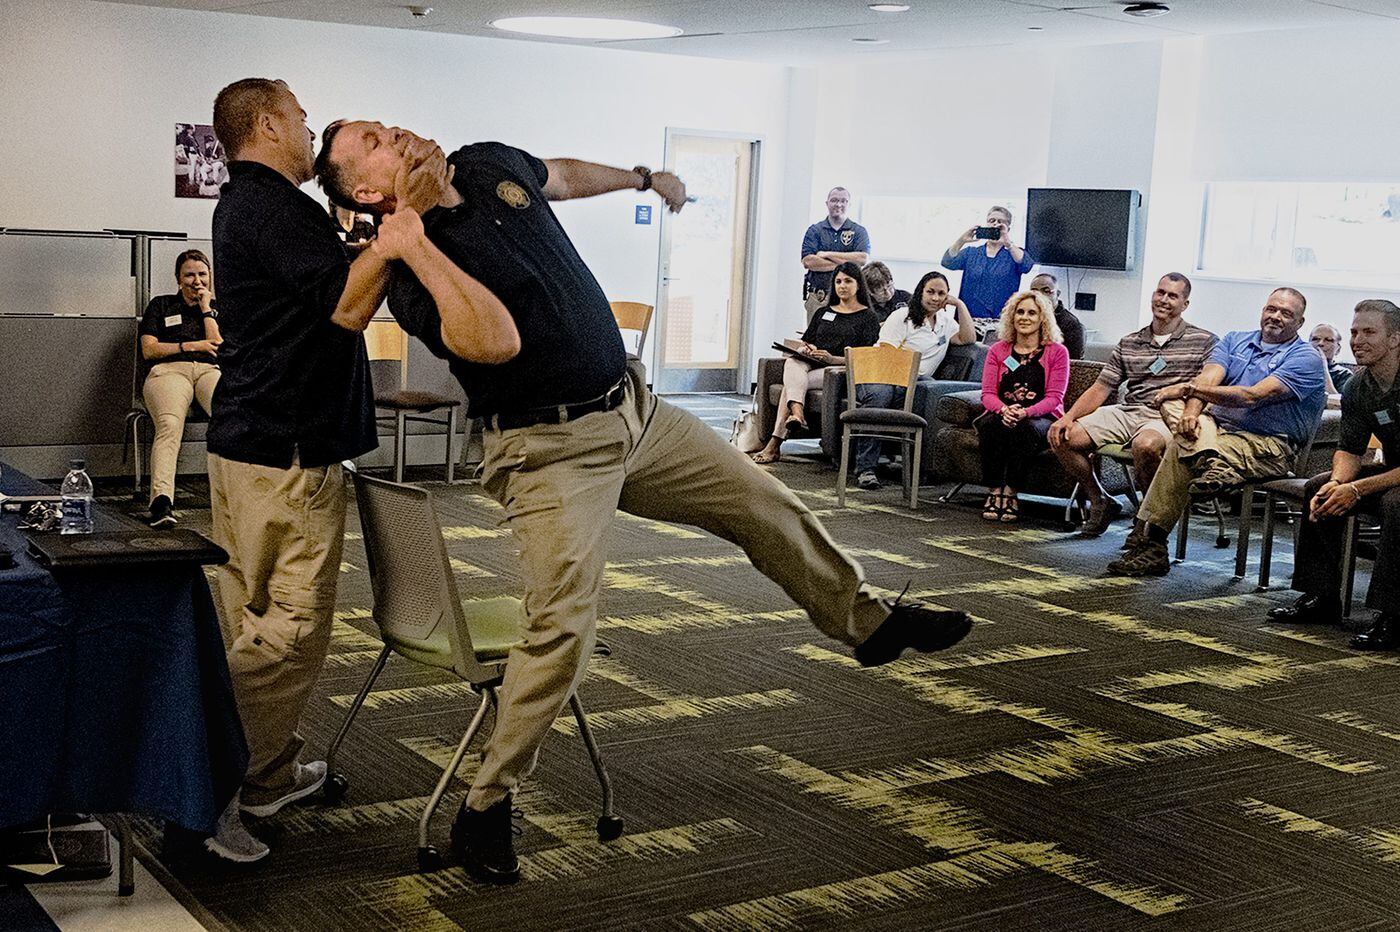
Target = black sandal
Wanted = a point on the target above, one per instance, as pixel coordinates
(1010, 509)
(993, 507)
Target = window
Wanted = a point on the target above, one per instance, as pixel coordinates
(1324, 233)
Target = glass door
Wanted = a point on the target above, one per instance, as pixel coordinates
(705, 269)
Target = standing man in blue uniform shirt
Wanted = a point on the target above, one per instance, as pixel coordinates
(829, 243)
(573, 434)
(293, 402)
(1265, 390)
(992, 269)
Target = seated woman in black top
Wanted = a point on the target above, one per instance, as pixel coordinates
(180, 336)
(845, 321)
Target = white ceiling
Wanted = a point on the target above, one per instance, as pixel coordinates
(811, 31)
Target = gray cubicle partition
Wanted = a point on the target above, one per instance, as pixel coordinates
(69, 303)
(69, 368)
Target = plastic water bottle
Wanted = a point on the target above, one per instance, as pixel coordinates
(76, 493)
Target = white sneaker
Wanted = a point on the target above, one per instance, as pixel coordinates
(231, 839)
(309, 778)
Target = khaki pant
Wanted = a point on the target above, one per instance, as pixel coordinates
(799, 377)
(561, 486)
(283, 530)
(168, 390)
(1248, 454)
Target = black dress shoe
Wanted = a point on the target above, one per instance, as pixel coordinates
(911, 626)
(485, 843)
(1383, 635)
(1308, 610)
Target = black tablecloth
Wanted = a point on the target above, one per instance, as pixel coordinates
(114, 689)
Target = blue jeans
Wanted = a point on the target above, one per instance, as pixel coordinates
(874, 396)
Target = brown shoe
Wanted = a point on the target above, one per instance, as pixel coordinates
(1144, 558)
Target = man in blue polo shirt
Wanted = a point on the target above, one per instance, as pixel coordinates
(992, 269)
(1265, 389)
(829, 243)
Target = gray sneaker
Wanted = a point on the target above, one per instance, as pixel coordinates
(868, 480)
(309, 779)
(231, 840)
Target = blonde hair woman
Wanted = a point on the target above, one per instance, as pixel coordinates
(1023, 393)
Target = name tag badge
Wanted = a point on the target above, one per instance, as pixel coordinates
(1157, 366)
(1011, 364)
(1383, 417)
(829, 315)
(173, 320)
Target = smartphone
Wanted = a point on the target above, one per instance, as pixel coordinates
(992, 233)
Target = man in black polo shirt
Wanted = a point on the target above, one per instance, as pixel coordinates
(828, 243)
(293, 402)
(573, 434)
(1370, 407)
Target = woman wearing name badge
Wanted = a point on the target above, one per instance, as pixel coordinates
(1023, 393)
(928, 327)
(180, 335)
(847, 320)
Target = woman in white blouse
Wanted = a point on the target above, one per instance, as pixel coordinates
(932, 322)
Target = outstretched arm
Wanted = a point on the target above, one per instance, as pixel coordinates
(572, 178)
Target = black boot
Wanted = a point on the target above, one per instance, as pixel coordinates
(1308, 610)
(1383, 635)
(910, 625)
(485, 843)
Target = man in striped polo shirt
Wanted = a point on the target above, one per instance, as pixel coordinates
(1166, 352)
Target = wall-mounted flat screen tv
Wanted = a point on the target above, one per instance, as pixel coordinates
(1082, 228)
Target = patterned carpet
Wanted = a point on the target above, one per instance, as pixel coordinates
(1099, 753)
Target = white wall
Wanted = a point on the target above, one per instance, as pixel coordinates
(92, 92)
(1295, 106)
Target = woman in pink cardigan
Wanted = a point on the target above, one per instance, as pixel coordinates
(1023, 393)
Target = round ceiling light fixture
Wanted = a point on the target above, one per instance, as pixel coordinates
(889, 7)
(585, 27)
(1147, 9)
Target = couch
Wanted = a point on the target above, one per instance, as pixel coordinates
(960, 370)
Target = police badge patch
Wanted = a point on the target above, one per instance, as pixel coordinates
(848, 237)
(513, 194)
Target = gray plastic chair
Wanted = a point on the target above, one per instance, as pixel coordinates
(422, 617)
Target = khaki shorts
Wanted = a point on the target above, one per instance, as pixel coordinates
(1121, 423)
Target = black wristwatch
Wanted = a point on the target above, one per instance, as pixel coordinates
(646, 176)
(212, 314)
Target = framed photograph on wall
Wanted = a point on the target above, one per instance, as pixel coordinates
(200, 164)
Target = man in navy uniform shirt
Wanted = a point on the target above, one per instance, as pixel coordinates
(573, 434)
(293, 402)
(827, 244)
(1370, 408)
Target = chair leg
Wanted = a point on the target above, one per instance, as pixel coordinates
(1348, 563)
(609, 824)
(451, 435)
(1069, 505)
(845, 463)
(1222, 540)
(1133, 496)
(1246, 522)
(379, 663)
(1266, 544)
(918, 444)
(400, 442)
(947, 496)
(488, 697)
(1182, 527)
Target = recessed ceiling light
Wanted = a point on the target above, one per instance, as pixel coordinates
(890, 7)
(585, 27)
(865, 41)
(1147, 9)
